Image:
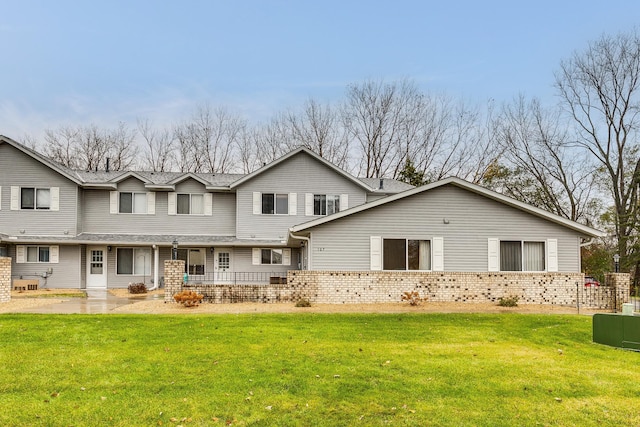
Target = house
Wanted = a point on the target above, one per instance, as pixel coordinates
(105, 229)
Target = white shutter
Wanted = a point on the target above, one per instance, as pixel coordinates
(438, 254)
(171, 203)
(208, 204)
(20, 254)
(0, 198)
(257, 203)
(256, 256)
(308, 204)
(376, 253)
(552, 255)
(15, 199)
(55, 198)
(494, 254)
(113, 202)
(293, 203)
(286, 256)
(151, 203)
(344, 202)
(54, 252)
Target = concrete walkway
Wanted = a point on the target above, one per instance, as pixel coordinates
(97, 301)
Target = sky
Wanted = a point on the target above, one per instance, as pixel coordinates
(68, 63)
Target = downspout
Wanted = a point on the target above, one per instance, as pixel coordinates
(156, 262)
(587, 243)
(308, 245)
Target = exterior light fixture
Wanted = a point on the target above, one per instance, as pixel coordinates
(616, 263)
(174, 250)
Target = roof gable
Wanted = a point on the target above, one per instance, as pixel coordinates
(583, 229)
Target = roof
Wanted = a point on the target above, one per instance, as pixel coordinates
(583, 229)
(388, 185)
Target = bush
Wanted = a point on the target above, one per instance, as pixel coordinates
(188, 298)
(137, 288)
(303, 303)
(413, 298)
(511, 301)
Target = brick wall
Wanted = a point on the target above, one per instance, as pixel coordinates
(173, 278)
(5, 279)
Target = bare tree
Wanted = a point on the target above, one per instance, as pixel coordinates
(122, 150)
(159, 147)
(600, 89)
(61, 145)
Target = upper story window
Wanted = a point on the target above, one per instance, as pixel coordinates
(326, 204)
(275, 204)
(34, 198)
(133, 203)
(190, 204)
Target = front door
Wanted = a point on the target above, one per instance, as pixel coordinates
(96, 267)
(222, 266)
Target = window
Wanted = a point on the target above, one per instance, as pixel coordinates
(522, 256)
(194, 260)
(277, 204)
(325, 205)
(35, 198)
(271, 256)
(133, 261)
(190, 204)
(37, 253)
(406, 254)
(133, 203)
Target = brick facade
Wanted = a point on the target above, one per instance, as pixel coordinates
(5, 279)
(363, 287)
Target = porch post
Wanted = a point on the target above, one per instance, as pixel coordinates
(156, 266)
(173, 278)
(5, 279)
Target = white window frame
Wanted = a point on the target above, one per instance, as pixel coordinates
(406, 252)
(147, 261)
(191, 203)
(22, 254)
(550, 256)
(257, 256)
(133, 204)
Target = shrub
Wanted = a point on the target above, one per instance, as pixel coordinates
(510, 301)
(137, 288)
(413, 298)
(303, 303)
(188, 298)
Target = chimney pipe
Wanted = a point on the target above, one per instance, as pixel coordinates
(107, 166)
(381, 183)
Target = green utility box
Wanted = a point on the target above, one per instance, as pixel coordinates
(617, 330)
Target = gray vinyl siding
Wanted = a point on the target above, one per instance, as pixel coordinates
(66, 273)
(18, 169)
(98, 219)
(300, 174)
(473, 219)
(122, 280)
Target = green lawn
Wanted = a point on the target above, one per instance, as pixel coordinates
(313, 369)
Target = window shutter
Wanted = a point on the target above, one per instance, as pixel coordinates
(0, 198)
(257, 203)
(494, 254)
(151, 203)
(286, 256)
(20, 252)
(55, 198)
(293, 204)
(15, 199)
(438, 254)
(171, 203)
(308, 204)
(376, 253)
(256, 256)
(208, 204)
(113, 202)
(344, 202)
(54, 254)
(552, 255)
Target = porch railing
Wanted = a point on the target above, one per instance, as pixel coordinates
(237, 278)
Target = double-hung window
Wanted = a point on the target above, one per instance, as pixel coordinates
(522, 256)
(133, 203)
(275, 204)
(190, 204)
(35, 198)
(133, 261)
(406, 254)
(324, 204)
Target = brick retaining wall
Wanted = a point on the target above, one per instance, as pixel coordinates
(5, 279)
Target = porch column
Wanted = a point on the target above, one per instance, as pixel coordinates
(173, 278)
(156, 266)
(5, 279)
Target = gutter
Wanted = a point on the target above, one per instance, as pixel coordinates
(587, 243)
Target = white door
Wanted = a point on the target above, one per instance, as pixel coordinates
(96, 267)
(222, 264)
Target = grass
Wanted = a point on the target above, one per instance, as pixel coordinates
(313, 369)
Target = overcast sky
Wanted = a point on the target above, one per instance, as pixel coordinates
(81, 62)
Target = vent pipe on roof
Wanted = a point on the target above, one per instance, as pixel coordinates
(381, 184)
(106, 168)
